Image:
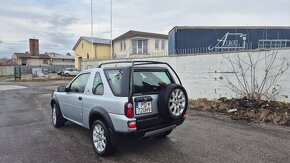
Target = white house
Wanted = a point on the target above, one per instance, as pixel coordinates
(135, 43)
(61, 60)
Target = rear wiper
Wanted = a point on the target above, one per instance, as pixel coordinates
(117, 75)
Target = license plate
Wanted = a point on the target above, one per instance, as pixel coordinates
(143, 107)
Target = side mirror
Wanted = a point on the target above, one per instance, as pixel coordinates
(62, 89)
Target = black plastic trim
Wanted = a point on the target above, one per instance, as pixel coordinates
(144, 98)
(104, 114)
(54, 99)
(140, 133)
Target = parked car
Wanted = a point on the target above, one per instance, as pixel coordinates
(60, 73)
(133, 101)
(70, 72)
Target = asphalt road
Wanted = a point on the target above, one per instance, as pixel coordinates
(26, 135)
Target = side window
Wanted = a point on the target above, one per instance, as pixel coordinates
(124, 44)
(79, 84)
(115, 80)
(163, 44)
(156, 44)
(98, 87)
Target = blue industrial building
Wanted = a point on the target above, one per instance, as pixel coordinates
(208, 39)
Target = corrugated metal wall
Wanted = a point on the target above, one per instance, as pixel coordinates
(205, 40)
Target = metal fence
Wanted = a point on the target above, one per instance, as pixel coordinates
(9, 70)
(51, 68)
(184, 52)
(6, 70)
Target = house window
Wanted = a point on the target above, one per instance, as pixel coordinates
(124, 44)
(156, 44)
(45, 61)
(139, 46)
(23, 62)
(163, 44)
(121, 46)
(88, 56)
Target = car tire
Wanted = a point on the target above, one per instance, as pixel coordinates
(56, 117)
(164, 134)
(102, 139)
(172, 101)
(66, 74)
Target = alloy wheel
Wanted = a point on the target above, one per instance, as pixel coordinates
(54, 115)
(99, 138)
(177, 102)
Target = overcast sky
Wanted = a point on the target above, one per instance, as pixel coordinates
(59, 23)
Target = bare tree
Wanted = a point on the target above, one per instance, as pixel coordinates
(255, 76)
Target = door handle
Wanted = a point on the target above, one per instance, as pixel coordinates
(80, 98)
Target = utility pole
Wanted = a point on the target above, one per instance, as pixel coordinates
(111, 6)
(92, 28)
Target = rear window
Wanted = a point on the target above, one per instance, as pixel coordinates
(148, 81)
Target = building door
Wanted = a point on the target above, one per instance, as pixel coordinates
(80, 63)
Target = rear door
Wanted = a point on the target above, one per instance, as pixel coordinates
(147, 84)
(146, 87)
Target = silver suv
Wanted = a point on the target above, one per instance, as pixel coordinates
(137, 100)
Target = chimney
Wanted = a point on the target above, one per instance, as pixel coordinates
(34, 47)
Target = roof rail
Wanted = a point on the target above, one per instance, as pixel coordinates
(133, 62)
(139, 63)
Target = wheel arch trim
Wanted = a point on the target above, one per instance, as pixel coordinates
(103, 114)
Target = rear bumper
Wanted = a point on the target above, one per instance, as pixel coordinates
(146, 132)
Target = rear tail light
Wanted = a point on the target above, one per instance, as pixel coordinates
(132, 124)
(129, 110)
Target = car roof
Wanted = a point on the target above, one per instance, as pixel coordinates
(125, 67)
(138, 67)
